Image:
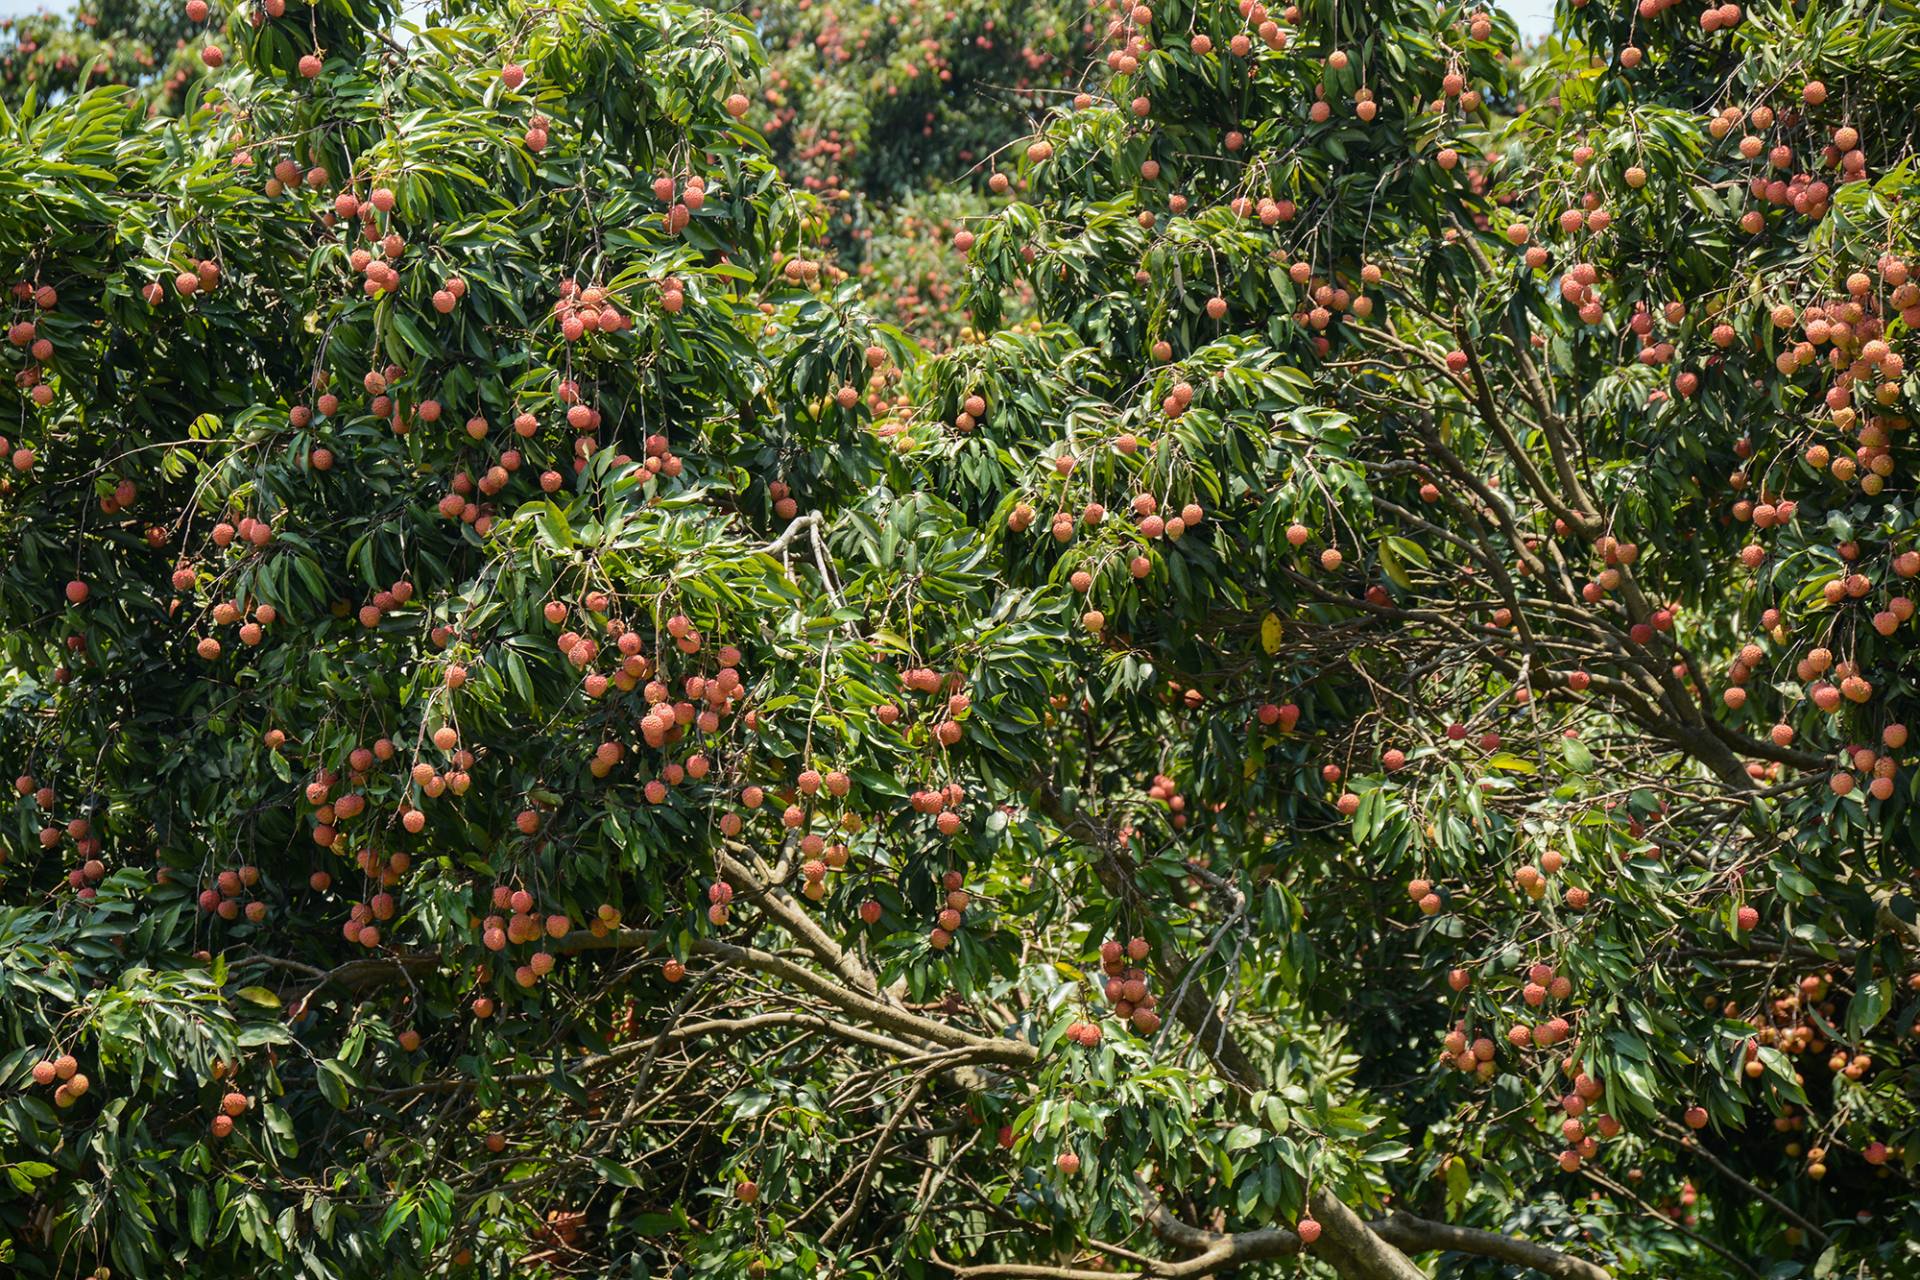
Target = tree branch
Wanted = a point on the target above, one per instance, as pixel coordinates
(1688, 1143)
(997, 1049)
(847, 1215)
(1422, 1235)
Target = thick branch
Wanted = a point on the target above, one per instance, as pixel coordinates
(1027, 1271)
(1422, 1235)
(757, 887)
(1216, 1249)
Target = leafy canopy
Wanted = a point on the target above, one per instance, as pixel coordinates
(1353, 723)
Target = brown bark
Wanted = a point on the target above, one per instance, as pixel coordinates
(1420, 1235)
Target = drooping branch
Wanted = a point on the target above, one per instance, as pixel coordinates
(1653, 1214)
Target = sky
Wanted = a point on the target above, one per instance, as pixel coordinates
(1534, 16)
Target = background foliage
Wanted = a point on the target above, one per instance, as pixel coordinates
(126, 42)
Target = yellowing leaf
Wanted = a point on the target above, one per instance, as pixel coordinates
(1271, 633)
(260, 996)
(1390, 565)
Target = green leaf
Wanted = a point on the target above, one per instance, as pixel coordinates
(335, 1083)
(410, 334)
(1868, 1006)
(199, 1215)
(1390, 565)
(554, 529)
(1242, 1137)
(618, 1174)
(1409, 550)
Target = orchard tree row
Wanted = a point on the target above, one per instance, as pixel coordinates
(891, 114)
(138, 43)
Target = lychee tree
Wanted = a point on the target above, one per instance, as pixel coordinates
(1491, 465)
(548, 743)
(328, 399)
